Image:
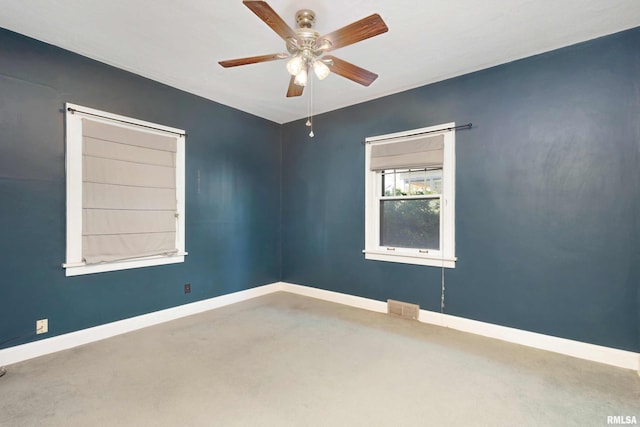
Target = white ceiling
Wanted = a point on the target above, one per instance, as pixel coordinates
(180, 42)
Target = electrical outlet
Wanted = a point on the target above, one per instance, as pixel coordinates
(187, 288)
(42, 326)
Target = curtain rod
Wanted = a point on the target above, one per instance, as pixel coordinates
(73, 110)
(467, 126)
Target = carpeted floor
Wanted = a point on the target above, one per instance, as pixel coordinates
(288, 360)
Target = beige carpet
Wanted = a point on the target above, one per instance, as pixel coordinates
(287, 360)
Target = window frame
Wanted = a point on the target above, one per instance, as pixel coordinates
(74, 265)
(445, 256)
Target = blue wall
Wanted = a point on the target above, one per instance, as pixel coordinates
(548, 195)
(233, 165)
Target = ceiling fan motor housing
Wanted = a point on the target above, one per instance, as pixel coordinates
(307, 45)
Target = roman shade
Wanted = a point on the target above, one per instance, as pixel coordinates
(420, 151)
(129, 204)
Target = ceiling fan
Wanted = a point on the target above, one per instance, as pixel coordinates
(307, 49)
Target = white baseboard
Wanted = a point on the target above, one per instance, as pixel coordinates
(581, 350)
(596, 353)
(340, 298)
(85, 336)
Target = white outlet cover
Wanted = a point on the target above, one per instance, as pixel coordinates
(42, 326)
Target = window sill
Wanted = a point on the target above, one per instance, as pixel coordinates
(410, 259)
(81, 268)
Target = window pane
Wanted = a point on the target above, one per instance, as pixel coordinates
(415, 182)
(410, 223)
(389, 183)
(403, 181)
(433, 184)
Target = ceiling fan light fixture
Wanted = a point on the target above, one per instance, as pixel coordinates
(301, 77)
(321, 69)
(294, 65)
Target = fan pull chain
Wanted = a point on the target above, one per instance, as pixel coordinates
(310, 108)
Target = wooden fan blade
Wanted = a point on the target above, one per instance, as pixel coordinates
(252, 60)
(271, 18)
(350, 71)
(363, 29)
(294, 89)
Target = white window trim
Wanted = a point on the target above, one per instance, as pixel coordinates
(445, 257)
(74, 265)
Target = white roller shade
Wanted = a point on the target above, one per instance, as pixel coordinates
(128, 193)
(421, 151)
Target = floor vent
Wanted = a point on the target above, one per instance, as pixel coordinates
(403, 309)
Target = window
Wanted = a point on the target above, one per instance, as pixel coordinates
(125, 192)
(410, 197)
